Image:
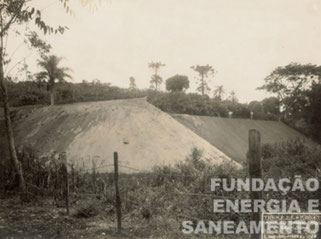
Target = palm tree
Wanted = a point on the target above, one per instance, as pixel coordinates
(132, 83)
(52, 73)
(155, 66)
(156, 80)
(219, 92)
(204, 72)
(233, 97)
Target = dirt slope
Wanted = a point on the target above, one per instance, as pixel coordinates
(231, 135)
(143, 135)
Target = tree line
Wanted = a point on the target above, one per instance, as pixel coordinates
(180, 83)
(31, 93)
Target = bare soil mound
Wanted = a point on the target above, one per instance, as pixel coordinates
(231, 135)
(143, 135)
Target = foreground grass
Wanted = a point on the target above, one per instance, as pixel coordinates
(40, 219)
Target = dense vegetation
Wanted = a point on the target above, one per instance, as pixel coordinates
(298, 88)
(299, 107)
(169, 194)
(298, 101)
(33, 93)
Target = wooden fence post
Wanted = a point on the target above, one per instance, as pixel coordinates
(118, 202)
(65, 169)
(255, 169)
(73, 177)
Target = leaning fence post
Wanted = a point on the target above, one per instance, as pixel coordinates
(73, 177)
(65, 169)
(118, 202)
(255, 170)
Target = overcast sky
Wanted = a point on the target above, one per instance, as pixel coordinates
(244, 40)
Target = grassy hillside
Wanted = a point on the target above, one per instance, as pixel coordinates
(231, 135)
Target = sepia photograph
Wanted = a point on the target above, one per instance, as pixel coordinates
(160, 119)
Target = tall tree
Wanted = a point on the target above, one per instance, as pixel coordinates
(219, 92)
(177, 83)
(11, 12)
(291, 83)
(14, 12)
(313, 112)
(156, 80)
(132, 83)
(256, 108)
(298, 89)
(233, 97)
(204, 73)
(52, 73)
(271, 105)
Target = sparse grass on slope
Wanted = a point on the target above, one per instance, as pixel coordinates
(231, 135)
(143, 135)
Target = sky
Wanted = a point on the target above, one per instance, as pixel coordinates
(244, 40)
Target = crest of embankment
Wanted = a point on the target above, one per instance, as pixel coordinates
(143, 135)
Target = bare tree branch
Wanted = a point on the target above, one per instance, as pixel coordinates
(7, 72)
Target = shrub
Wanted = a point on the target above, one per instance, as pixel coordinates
(87, 209)
(296, 158)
